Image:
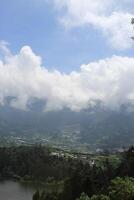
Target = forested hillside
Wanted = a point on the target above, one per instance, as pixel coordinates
(68, 177)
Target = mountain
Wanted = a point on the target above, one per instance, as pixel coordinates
(92, 128)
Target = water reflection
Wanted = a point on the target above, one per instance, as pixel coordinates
(10, 190)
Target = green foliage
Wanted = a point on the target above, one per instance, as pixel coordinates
(68, 178)
(45, 196)
(122, 189)
(32, 163)
(36, 195)
(100, 197)
(49, 196)
(94, 197)
(84, 197)
(127, 164)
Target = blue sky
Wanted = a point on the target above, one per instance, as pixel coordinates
(36, 23)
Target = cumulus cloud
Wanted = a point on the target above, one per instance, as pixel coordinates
(111, 17)
(24, 77)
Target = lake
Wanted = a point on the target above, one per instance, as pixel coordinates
(10, 190)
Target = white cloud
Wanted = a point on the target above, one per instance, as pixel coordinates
(111, 17)
(23, 76)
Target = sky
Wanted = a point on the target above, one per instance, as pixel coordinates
(67, 52)
(63, 34)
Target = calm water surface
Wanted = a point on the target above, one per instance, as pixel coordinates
(10, 190)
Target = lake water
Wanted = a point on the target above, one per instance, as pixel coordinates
(10, 190)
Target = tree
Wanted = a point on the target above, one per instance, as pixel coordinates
(36, 195)
(132, 22)
(122, 189)
(83, 197)
(100, 197)
(94, 197)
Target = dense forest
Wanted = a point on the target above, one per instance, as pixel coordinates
(72, 178)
